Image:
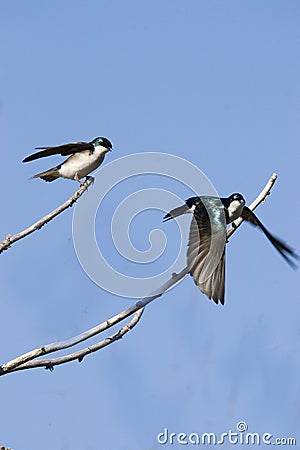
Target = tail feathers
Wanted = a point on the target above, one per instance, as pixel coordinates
(286, 252)
(49, 175)
(176, 212)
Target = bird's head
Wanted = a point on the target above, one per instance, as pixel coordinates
(236, 198)
(102, 142)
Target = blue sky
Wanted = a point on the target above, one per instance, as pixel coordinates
(216, 83)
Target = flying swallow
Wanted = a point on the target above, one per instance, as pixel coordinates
(85, 157)
(207, 239)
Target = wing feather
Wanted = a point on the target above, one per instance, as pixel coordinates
(206, 248)
(64, 150)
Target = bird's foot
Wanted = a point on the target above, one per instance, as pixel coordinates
(90, 178)
(76, 178)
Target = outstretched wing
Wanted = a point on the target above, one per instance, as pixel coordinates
(64, 150)
(285, 251)
(206, 248)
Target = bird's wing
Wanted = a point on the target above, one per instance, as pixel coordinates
(285, 251)
(206, 248)
(64, 150)
(176, 212)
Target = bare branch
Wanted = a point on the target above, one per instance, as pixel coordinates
(4, 245)
(259, 199)
(28, 360)
(23, 361)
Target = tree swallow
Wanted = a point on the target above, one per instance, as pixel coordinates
(86, 157)
(205, 260)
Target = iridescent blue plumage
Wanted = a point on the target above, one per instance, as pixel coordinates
(207, 239)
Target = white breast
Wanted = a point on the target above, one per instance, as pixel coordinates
(235, 209)
(82, 163)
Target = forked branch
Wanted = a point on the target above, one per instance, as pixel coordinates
(29, 360)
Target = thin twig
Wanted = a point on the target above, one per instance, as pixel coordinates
(4, 245)
(79, 355)
(22, 362)
(27, 360)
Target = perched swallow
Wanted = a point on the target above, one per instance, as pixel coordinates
(86, 157)
(207, 239)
